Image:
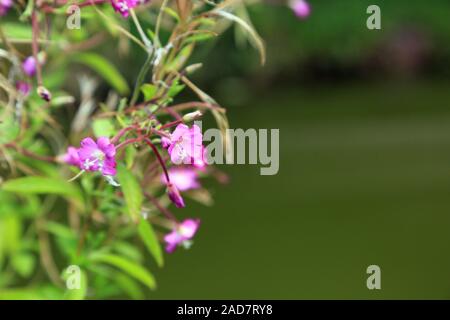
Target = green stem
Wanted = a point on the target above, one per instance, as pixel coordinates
(144, 38)
(140, 79)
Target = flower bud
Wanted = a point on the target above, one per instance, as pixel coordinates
(175, 196)
(193, 67)
(29, 66)
(188, 117)
(44, 93)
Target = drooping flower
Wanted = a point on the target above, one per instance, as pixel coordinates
(184, 178)
(24, 88)
(182, 234)
(301, 8)
(123, 6)
(29, 66)
(94, 156)
(175, 196)
(5, 5)
(185, 145)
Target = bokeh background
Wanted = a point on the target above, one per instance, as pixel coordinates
(364, 119)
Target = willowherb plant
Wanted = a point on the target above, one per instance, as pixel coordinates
(89, 198)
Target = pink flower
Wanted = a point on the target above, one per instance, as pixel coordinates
(301, 8)
(175, 196)
(183, 178)
(29, 66)
(93, 156)
(181, 235)
(124, 6)
(5, 5)
(24, 88)
(185, 145)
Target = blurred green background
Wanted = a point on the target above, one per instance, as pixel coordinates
(364, 119)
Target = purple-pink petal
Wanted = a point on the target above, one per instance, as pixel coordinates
(106, 146)
(183, 178)
(301, 8)
(183, 232)
(123, 6)
(186, 145)
(71, 157)
(29, 66)
(5, 5)
(109, 167)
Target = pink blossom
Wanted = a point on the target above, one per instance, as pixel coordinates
(184, 178)
(93, 156)
(29, 66)
(185, 145)
(5, 5)
(301, 8)
(124, 6)
(181, 234)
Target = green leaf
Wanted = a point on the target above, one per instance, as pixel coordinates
(128, 285)
(150, 240)
(104, 68)
(175, 89)
(103, 128)
(254, 38)
(10, 234)
(17, 30)
(80, 293)
(44, 185)
(59, 230)
(130, 155)
(23, 263)
(9, 128)
(178, 62)
(149, 91)
(131, 268)
(131, 191)
(172, 13)
(20, 294)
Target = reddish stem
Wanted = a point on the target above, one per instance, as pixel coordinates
(164, 210)
(172, 124)
(163, 165)
(119, 135)
(127, 142)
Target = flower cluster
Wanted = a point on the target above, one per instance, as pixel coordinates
(185, 148)
(144, 139)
